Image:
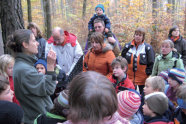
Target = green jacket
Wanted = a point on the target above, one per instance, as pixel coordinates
(172, 60)
(32, 89)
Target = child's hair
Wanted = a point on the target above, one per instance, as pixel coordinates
(34, 25)
(97, 37)
(5, 60)
(92, 97)
(181, 96)
(128, 103)
(4, 83)
(16, 40)
(167, 41)
(157, 102)
(140, 30)
(43, 62)
(157, 83)
(61, 103)
(177, 74)
(120, 61)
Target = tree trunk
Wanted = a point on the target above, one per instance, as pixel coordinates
(29, 11)
(62, 8)
(169, 9)
(154, 41)
(185, 22)
(11, 16)
(47, 16)
(1, 43)
(84, 8)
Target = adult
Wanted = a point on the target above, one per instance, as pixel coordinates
(67, 48)
(42, 42)
(109, 38)
(140, 57)
(98, 58)
(32, 89)
(179, 42)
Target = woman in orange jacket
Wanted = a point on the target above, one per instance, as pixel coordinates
(99, 57)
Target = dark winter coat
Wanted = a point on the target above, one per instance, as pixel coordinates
(41, 48)
(103, 17)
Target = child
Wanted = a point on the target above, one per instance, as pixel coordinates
(154, 84)
(129, 102)
(119, 77)
(180, 112)
(175, 79)
(6, 70)
(167, 59)
(58, 113)
(6, 93)
(155, 106)
(99, 14)
(92, 100)
(41, 66)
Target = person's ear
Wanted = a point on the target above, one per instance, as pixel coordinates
(25, 45)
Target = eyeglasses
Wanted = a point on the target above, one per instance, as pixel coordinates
(97, 27)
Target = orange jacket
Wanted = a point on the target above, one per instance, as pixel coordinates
(99, 62)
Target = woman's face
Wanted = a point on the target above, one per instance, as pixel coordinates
(96, 45)
(34, 31)
(99, 27)
(176, 33)
(165, 49)
(138, 37)
(32, 46)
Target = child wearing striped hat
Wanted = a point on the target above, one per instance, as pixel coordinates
(58, 113)
(155, 106)
(176, 78)
(129, 102)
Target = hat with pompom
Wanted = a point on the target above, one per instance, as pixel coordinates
(177, 74)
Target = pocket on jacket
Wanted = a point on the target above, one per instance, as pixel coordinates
(128, 57)
(143, 59)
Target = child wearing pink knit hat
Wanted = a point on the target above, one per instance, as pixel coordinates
(129, 102)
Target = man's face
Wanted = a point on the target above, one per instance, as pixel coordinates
(58, 38)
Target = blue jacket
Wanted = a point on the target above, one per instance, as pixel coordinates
(158, 120)
(103, 17)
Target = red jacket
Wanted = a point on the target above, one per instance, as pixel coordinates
(126, 82)
(12, 88)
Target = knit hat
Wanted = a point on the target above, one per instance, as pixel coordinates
(100, 6)
(63, 98)
(177, 74)
(128, 103)
(41, 61)
(10, 113)
(157, 102)
(164, 75)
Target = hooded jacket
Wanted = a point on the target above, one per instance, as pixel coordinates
(99, 61)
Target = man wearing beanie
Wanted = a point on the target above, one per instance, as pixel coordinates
(155, 106)
(129, 102)
(176, 78)
(99, 14)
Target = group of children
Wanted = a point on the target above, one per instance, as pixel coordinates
(87, 101)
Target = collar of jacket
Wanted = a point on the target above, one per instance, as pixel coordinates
(165, 57)
(31, 59)
(105, 48)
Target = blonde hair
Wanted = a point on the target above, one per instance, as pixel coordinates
(5, 60)
(168, 42)
(157, 83)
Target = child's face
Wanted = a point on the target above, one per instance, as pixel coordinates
(148, 88)
(40, 68)
(165, 48)
(7, 94)
(99, 11)
(9, 69)
(118, 71)
(146, 110)
(172, 83)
